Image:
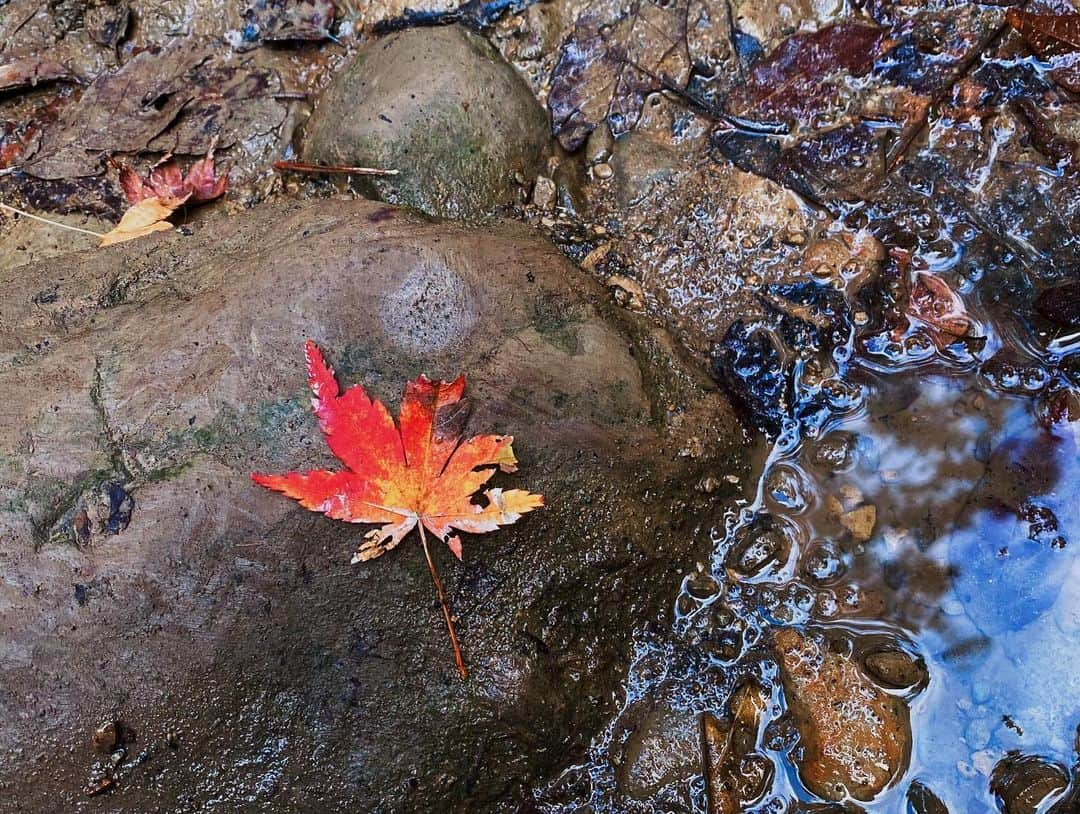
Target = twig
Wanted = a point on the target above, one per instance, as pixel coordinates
(303, 166)
(445, 607)
(55, 223)
(901, 147)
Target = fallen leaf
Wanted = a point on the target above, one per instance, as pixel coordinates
(30, 71)
(285, 20)
(119, 112)
(606, 68)
(938, 307)
(1055, 39)
(148, 215)
(808, 73)
(235, 101)
(177, 100)
(418, 474)
(167, 180)
(1044, 135)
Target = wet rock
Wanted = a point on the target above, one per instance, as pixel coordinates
(626, 291)
(544, 192)
(107, 24)
(662, 749)
(920, 800)
(788, 487)
(1061, 305)
(749, 364)
(896, 669)
(231, 618)
(440, 106)
(106, 737)
(704, 236)
(112, 735)
(1022, 784)
(835, 452)
(856, 738)
(860, 522)
(764, 544)
(736, 774)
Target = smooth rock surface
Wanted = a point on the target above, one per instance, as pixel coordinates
(855, 737)
(440, 106)
(144, 579)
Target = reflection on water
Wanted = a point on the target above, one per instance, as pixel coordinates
(930, 538)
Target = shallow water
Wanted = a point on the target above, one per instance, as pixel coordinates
(970, 567)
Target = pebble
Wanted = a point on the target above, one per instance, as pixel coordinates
(603, 171)
(895, 669)
(543, 195)
(855, 738)
(627, 292)
(860, 522)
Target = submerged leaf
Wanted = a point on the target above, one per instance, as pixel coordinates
(1055, 38)
(806, 74)
(936, 305)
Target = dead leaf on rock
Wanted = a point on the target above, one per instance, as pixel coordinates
(148, 215)
(1055, 38)
(233, 102)
(937, 306)
(285, 20)
(121, 111)
(167, 180)
(808, 74)
(28, 72)
(175, 101)
(606, 68)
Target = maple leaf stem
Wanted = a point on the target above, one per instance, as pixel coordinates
(445, 606)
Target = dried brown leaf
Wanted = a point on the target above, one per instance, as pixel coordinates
(30, 71)
(807, 73)
(1054, 38)
(606, 68)
(148, 215)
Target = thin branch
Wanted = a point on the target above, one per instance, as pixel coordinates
(445, 607)
(55, 223)
(303, 166)
(900, 149)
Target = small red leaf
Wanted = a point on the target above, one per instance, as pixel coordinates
(937, 306)
(167, 180)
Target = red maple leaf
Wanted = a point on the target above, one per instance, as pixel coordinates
(418, 474)
(167, 180)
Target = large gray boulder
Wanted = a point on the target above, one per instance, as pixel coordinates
(443, 108)
(144, 578)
